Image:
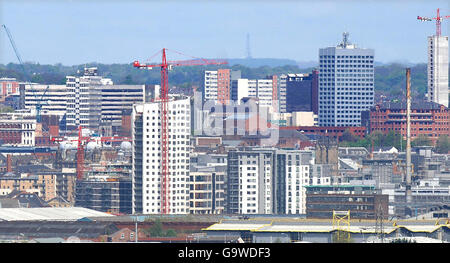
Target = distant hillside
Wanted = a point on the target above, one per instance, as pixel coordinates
(390, 79)
(261, 62)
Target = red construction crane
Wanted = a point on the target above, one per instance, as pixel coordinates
(82, 140)
(438, 19)
(164, 99)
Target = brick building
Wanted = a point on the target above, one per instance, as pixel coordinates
(427, 118)
(217, 84)
(363, 202)
(42, 185)
(17, 131)
(8, 86)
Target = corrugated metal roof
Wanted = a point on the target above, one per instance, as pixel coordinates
(48, 213)
(322, 226)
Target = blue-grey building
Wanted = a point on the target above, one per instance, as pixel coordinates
(346, 84)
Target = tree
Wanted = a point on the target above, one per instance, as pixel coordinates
(348, 136)
(443, 144)
(6, 109)
(156, 230)
(421, 140)
(376, 137)
(171, 233)
(128, 80)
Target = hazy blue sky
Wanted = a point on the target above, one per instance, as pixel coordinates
(76, 32)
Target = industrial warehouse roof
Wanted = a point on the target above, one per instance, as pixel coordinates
(312, 225)
(48, 214)
(56, 229)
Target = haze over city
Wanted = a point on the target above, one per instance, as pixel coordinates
(69, 32)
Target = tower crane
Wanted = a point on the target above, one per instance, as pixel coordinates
(39, 103)
(164, 100)
(438, 19)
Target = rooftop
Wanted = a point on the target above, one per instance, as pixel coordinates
(49, 214)
(322, 225)
(415, 105)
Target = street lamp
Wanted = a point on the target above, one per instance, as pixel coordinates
(136, 229)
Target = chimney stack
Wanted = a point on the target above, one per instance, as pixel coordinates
(8, 163)
(408, 192)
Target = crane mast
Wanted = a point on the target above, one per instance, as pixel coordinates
(164, 100)
(438, 19)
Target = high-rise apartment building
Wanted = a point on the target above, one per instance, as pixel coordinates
(265, 91)
(207, 190)
(292, 175)
(147, 167)
(267, 181)
(217, 84)
(113, 195)
(250, 182)
(346, 84)
(437, 72)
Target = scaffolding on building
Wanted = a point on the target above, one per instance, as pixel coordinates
(341, 224)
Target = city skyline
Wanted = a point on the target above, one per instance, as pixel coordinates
(118, 33)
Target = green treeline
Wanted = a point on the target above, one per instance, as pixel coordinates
(392, 139)
(389, 79)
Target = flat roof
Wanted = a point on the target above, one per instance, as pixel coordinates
(323, 225)
(338, 186)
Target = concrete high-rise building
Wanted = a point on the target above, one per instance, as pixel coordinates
(437, 72)
(147, 180)
(53, 98)
(217, 84)
(96, 103)
(114, 100)
(84, 99)
(346, 84)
